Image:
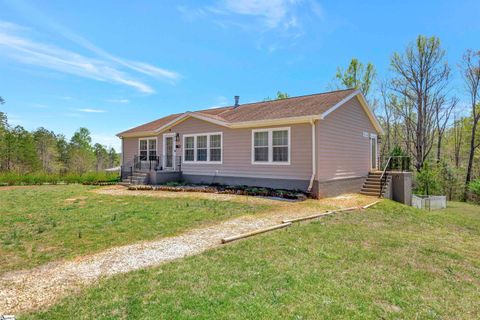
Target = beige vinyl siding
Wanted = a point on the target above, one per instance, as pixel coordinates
(342, 150)
(237, 156)
(130, 148)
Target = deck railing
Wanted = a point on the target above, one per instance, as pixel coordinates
(393, 163)
(157, 163)
(153, 163)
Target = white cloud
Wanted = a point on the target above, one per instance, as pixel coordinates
(274, 23)
(221, 101)
(191, 14)
(317, 9)
(104, 67)
(39, 106)
(275, 14)
(272, 11)
(89, 110)
(121, 100)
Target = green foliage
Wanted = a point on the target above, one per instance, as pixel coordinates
(397, 151)
(280, 96)
(357, 76)
(474, 188)
(427, 181)
(42, 155)
(449, 180)
(37, 178)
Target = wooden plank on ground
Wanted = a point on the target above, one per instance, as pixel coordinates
(313, 216)
(249, 234)
(371, 204)
(319, 215)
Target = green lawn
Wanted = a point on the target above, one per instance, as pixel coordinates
(389, 262)
(46, 223)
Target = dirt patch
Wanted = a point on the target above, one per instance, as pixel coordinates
(80, 200)
(347, 200)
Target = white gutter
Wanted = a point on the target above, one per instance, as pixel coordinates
(314, 152)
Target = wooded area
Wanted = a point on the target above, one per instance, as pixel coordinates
(426, 115)
(44, 151)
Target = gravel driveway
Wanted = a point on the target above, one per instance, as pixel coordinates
(26, 290)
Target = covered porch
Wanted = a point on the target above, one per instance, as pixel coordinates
(152, 170)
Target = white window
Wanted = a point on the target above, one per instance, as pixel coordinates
(271, 146)
(189, 146)
(203, 148)
(147, 148)
(215, 147)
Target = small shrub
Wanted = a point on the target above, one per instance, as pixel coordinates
(474, 188)
(427, 181)
(38, 178)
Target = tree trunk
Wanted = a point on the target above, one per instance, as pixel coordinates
(470, 159)
(439, 147)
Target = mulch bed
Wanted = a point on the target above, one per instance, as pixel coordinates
(241, 190)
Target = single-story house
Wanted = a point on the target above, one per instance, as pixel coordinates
(322, 143)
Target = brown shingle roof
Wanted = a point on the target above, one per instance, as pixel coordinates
(151, 126)
(314, 104)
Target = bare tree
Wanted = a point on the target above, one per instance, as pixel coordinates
(421, 76)
(443, 111)
(470, 68)
(458, 128)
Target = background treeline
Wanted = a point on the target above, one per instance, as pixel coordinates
(430, 110)
(41, 156)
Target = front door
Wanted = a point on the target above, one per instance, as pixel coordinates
(169, 152)
(373, 152)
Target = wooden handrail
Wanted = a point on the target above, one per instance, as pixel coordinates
(383, 177)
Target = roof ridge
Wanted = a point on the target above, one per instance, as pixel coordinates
(270, 101)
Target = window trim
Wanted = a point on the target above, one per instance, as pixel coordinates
(195, 135)
(148, 146)
(270, 147)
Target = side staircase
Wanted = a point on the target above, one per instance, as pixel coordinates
(371, 186)
(138, 177)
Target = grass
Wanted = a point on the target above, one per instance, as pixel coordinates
(37, 178)
(389, 262)
(45, 223)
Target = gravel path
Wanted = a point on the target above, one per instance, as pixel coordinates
(26, 290)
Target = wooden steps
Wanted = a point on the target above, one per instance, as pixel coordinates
(138, 177)
(371, 186)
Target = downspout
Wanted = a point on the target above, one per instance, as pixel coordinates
(314, 152)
